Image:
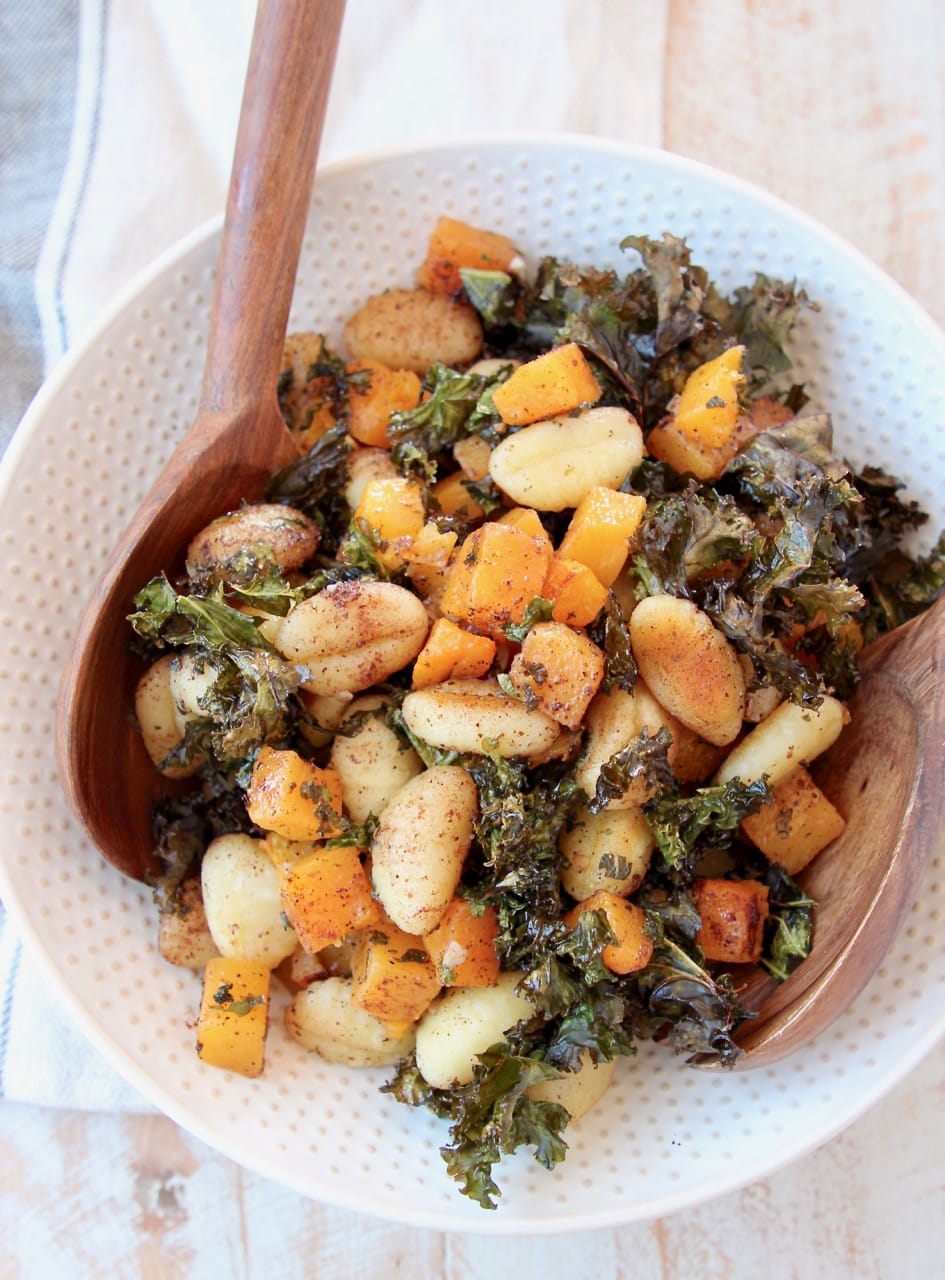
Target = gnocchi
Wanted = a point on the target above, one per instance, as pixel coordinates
(502, 705)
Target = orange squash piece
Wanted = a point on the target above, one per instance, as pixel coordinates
(599, 534)
(372, 400)
(576, 592)
(525, 518)
(454, 499)
(234, 1015)
(632, 949)
(559, 670)
(462, 946)
(551, 384)
(450, 653)
(392, 975)
(455, 244)
(706, 428)
(472, 454)
(733, 914)
(292, 797)
(498, 570)
(326, 894)
(427, 558)
(392, 509)
(693, 457)
(708, 408)
(796, 823)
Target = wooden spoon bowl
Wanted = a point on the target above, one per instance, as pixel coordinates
(885, 775)
(238, 438)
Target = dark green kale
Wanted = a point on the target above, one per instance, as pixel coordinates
(675, 998)
(685, 536)
(679, 290)
(315, 483)
(185, 824)
(789, 931)
(495, 295)
(361, 549)
(766, 553)
(521, 814)
(610, 633)
(644, 758)
(644, 331)
(249, 695)
(490, 1117)
(762, 317)
(324, 381)
(537, 610)
(684, 824)
(456, 405)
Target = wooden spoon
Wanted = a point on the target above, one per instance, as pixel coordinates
(885, 774)
(238, 438)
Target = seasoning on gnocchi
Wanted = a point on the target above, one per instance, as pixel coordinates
(490, 732)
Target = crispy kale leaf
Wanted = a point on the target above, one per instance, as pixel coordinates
(644, 757)
(763, 315)
(789, 930)
(537, 610)
(248, 698)
(765, 553)
(316, 483)
(455, 405)
(609, 632)
(490, 1117)
(645, 330)
(681, 824)
(676, 998)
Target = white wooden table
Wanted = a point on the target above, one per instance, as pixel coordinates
(838, 107)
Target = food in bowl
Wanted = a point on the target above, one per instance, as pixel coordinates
(499, 709)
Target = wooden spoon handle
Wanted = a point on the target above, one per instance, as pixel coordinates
(290, 65)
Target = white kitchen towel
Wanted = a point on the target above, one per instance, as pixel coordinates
(117, 120)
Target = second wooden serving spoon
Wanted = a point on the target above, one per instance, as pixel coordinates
(238, 439)
(885, 775)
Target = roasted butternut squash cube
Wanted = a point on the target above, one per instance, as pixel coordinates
(454, 245)
(577, 594)
(551, 384)
(293, 797)
(392, 509)
(450, 653)
(631, 949)
(708, 409)
(462, 946)
(454, 499)
(234, 1015)
(600, 531)
(377, 392)
(558, 670)
(326, 894)
(692, 456)
(733, 914)
(392, 975)
(497, 571)
(526, 519)
(796, 823)
(471, 454)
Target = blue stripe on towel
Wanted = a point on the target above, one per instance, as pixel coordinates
(90, 144)
(6, 1007)
(38, 77)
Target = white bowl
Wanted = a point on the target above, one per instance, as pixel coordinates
(667, 1136)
